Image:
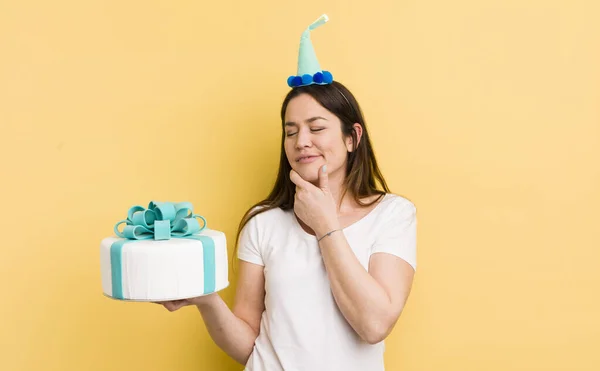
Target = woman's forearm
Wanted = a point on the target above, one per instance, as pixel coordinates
(233, 335)
(361, 299)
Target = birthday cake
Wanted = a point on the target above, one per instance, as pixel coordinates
(163, 252)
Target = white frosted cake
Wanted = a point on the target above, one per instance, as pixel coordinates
(163, 253)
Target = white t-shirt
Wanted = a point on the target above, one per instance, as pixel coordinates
(302, 328)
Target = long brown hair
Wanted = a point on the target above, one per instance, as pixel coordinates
(362, 172)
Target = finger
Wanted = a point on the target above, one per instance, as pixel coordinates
(295, 178)
(301, 192)
(323, 178)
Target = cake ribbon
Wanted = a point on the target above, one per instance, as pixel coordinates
(161, 221)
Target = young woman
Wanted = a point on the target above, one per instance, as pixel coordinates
(326, 262)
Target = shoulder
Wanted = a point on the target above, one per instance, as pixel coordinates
(396, 204)
(257, 231)
(395, 228)
(264, 228)
(392, 211)
(262, 220)
(266, 216)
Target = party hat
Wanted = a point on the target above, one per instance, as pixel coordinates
(309, 71)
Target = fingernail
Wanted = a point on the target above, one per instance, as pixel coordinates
(324, 168)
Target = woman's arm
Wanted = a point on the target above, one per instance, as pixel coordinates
(234, 331)
(370, 301)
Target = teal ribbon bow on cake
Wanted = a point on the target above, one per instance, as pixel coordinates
(161, 221)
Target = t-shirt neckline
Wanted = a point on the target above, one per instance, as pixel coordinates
(307, 235)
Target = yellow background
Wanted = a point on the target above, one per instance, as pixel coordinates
(484, 113)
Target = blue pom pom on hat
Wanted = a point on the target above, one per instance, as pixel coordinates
(309, 71)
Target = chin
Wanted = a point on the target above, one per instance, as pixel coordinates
(309, 172)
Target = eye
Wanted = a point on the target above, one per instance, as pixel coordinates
(317, 129)
(289, 134)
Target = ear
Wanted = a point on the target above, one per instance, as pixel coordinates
(349, 140)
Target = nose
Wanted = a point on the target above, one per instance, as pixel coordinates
(303, 139)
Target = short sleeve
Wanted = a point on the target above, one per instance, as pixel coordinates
(398, 236)
(249, 247)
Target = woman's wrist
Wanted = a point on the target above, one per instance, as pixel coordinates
(326, 235)
(326, 228)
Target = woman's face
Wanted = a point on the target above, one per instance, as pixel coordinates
(313, 138)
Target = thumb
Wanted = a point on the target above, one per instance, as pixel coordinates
(323, 178)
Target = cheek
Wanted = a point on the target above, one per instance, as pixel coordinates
(288, 148)
(334, 150)
(287, 145)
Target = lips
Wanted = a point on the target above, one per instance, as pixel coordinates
(307, 159)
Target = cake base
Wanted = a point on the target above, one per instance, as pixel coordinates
(163, 300)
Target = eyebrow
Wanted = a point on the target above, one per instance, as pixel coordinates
(308, 121)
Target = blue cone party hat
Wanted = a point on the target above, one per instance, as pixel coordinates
(309, 70)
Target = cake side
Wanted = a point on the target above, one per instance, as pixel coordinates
(151, 270)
